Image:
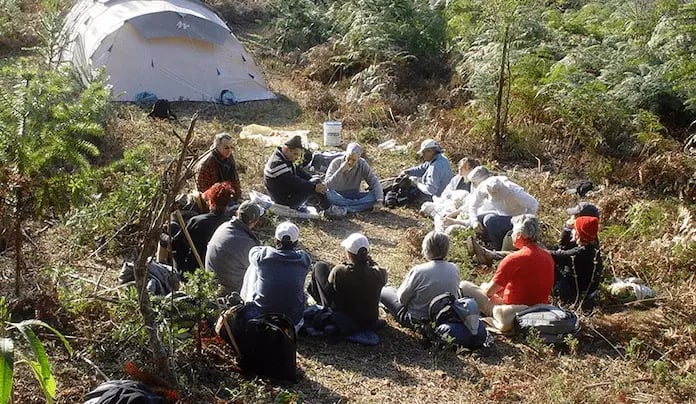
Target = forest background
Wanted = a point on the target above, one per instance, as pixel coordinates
(548, 92)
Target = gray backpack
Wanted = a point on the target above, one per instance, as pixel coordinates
(553, 323)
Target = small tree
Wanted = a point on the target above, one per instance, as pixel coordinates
(48, 126)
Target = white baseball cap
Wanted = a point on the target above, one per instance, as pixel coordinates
(287, 229)
(429, 144)
(355, 242)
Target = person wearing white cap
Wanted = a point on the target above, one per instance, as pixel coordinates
(276, 275)
(344, 178)
(228, 250)
(431, 177)
(351, 289)
(410, 304)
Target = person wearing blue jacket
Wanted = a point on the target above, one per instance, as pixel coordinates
(430, 178)
(276, 275)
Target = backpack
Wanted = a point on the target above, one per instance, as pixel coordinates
(322, 159)
(553, 323)
(266, 344)
(162, 109)
(457, 321)
(122, 392)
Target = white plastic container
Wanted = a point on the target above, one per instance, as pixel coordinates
(332, 133)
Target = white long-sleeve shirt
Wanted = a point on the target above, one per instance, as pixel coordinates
(497, 194)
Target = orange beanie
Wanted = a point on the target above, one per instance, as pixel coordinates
(586, 228)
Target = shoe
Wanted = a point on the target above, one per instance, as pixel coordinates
(336, 211)
(483, 256)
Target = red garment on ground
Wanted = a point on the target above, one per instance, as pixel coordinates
(526, 275)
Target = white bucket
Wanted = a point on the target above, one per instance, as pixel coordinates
(332, 133)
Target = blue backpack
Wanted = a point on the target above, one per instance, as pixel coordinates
(457, 321)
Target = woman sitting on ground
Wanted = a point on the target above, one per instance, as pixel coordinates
(351, 289)
(523, 278)
(411, 302)
(579, 270)
(219, 166)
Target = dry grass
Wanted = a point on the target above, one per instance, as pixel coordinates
(605, 368)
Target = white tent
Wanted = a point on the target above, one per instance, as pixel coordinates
(179, 50)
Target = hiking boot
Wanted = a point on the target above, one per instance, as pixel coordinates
(335, 211)
(483, 256)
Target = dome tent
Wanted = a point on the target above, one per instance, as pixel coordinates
(179, 50)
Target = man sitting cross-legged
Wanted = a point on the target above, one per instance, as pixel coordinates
(344, 177)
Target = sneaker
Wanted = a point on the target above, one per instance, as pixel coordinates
(336, 211)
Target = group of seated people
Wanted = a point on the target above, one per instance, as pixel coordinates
(273, 277)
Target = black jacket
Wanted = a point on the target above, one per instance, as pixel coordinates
(284, 180)
(583, 262)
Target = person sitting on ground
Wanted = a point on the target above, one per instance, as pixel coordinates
(219, 166)
(579, 270)
(288, 184)
(507, 199)
(454, 197)
(522, 279)
(486, 256)
(351, 289)
(461, 181)
(430, 178)
(276, 275)
(201, 228)
(228, 250)
(411, 302)
(567, 241)
(344, 177)
(459, 218)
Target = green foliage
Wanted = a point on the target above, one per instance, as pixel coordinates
(572, 343)
(635, 350)
(48, 129)
(37, 360)
(113, 196)
(458, 253)
(299, 24)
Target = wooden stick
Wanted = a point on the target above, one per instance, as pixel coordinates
(180, 219)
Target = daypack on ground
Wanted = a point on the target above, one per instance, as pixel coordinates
(122, 392)
(266, 345)
(457, 321)
(552, 323)
(162, 279)
(321, 160)
(162, 109)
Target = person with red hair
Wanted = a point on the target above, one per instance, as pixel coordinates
(579, 270)
(201, 228)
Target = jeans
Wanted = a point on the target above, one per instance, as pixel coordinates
(497, 227)
(352, 201)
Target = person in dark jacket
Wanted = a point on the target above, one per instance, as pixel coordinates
(579, 269)
(288, 184)
(351, 289)
(582, 209)
(219, 166)
(228, 249)
(276, 275)
(201, 229)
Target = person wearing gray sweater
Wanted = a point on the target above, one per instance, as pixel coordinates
(411, 302)
(344, 178)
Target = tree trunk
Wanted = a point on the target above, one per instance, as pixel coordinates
(18, 240)
(499, 124)
(156, 215)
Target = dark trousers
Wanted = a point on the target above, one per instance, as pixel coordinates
(311, 198)
(391, 302)
(319, 287)
(496, 227)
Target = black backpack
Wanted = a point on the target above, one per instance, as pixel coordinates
(552, 323)
(456, 321)
(162, 109)
(122, 392)
(266, 345)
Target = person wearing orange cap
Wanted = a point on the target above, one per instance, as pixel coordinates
(579, 270)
